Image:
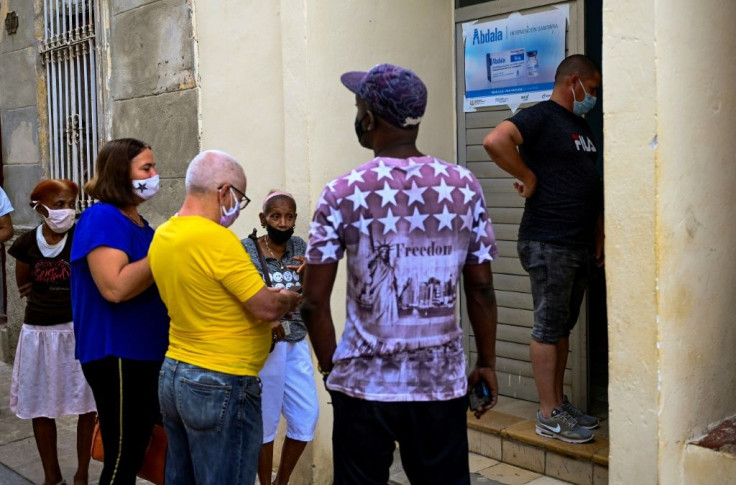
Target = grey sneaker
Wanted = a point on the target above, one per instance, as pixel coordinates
(585, 420)
(562, 426)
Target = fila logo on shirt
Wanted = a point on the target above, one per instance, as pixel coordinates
(583, 143)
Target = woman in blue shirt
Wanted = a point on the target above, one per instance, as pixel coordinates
(120, 322)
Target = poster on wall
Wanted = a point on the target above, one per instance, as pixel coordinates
(513, 60)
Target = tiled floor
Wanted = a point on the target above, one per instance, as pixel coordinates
(485, 471)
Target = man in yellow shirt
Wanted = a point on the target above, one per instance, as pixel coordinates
(220, 330)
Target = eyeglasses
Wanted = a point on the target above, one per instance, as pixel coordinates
(244, 200)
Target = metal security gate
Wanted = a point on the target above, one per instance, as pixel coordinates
(68, 53)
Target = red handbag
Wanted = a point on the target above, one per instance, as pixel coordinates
(154, 462)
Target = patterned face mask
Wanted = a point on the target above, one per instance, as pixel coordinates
(146, 188)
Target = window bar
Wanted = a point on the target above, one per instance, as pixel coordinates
(47, 60)
(93, 80)
(76, 93)
(56, 83)
(67, 95)
(89, 127)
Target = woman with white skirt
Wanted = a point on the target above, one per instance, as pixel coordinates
(47, 379)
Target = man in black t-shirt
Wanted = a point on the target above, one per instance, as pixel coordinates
(560, 236)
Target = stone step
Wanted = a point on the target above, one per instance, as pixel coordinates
(513, 440)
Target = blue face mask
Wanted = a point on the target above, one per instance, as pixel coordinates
(582, 107)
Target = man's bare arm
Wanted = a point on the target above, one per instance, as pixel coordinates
(500, 144)
(316, 313)
(483, 315)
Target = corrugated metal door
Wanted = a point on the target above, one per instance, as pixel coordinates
(515, 312)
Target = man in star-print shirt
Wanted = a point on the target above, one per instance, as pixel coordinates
(410, 225)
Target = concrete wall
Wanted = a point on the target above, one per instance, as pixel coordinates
(149, 88)
(669, 122)
(271, 95)
(20, 97)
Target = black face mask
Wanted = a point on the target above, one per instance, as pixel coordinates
(278, 236)
(359, 127)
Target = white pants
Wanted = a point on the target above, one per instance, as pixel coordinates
(288, 388)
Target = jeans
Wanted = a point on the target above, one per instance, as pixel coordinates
(432, 437)
(213, 422)
(559, 277)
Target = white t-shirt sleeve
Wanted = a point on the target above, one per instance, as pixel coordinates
(5, 206)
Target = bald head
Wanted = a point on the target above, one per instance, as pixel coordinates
(576, 64)
(212, 168)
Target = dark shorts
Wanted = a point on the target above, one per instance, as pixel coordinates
(559, 276)
(432, 437)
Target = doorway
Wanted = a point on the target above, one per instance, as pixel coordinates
(586, 379)
(597, 317)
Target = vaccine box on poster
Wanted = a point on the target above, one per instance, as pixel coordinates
(506, 65)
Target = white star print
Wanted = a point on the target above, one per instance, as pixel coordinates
(468, 193)
(444, 191)
(389, 222)
(358, 198)
(313, 228)
(335, 217)
(414, 170)
(363, 225)
(327, 230)
(382, 171)
(445, 219)
(388, 195)
(439, 167)
(322, 201)
(479, 209)
(481, 231)
(415, 193)
(464, 172)
(329, 251)
(467, 220)
(331, 185)
(330, 232)
(355, 176)
(416, 220)
(483, 253)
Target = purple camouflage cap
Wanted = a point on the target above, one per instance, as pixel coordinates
(393, 93)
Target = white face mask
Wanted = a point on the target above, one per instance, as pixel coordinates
(59, 220)
(146, 188)
(228, 216)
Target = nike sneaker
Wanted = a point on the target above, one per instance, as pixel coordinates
(562, 426)
(585, 420)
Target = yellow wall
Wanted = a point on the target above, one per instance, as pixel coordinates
(670, 241)
(630, 124)
(696, 237)
(269, 77)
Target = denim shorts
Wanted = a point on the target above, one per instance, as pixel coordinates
(559, 276)
(213, 422)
